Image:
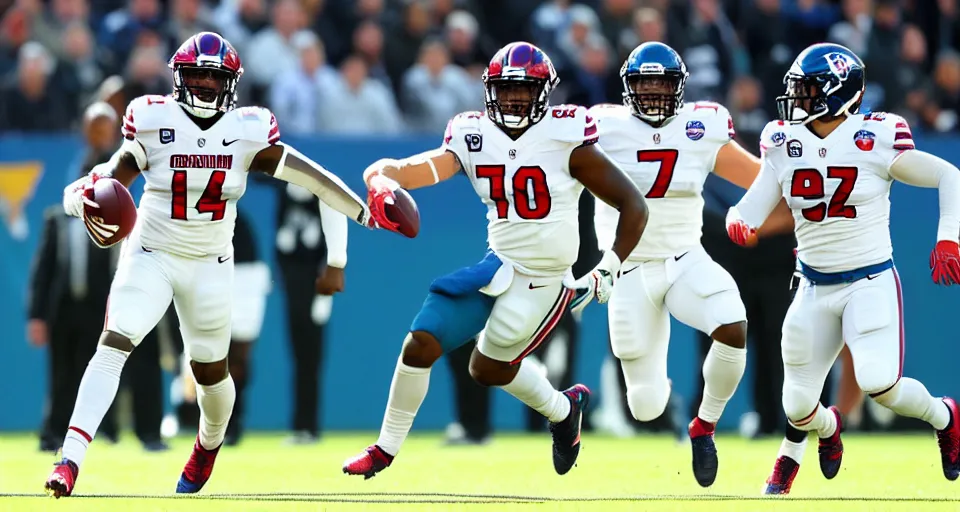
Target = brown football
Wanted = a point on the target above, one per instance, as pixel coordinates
(116, 207)
(404, 212)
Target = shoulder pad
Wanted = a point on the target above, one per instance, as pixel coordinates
(892, 130)
(464, 120)
(773, 136)
(258, 124)
(571, 123)
(604, 110)
(715, 118)
(145, 113)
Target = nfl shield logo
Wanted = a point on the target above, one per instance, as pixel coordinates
(656, 138)
(864, 140)
(695, 130)
(823, 152)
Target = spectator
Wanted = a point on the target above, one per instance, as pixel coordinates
(147, 73)
(746, 108)
(707, 49)
(463, 38)
(355, 104)
(406, 40)
(271, 52)
(238, 20)
(912, 78)
(187, 17)
(31, 102)
(547, 23)
(121, 30)
(435, 90)
(767, 42)
(584, 25)
(941, 113)
(14, 32)
(49, 27)
(368, 44)
(616, 21)
(595, 78)
(854, 30)
(883, 44)
(327, 28)
(80, 57)
(295, 94)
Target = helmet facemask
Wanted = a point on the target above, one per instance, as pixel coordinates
(205, 91)
(654, 98)
(517, 103)
(808, 97)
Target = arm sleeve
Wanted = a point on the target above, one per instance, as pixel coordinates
(334, 225)
(761, 198)
(921, 169)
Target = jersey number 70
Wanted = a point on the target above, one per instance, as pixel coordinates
(808, 184)
(523, 178)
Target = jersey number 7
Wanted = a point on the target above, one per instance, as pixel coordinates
(668, 162)
(808, 184)
(523, 178)
(211, 201)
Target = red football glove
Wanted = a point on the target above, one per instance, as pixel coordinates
(379, 193)
(741, 233)
(945, 263)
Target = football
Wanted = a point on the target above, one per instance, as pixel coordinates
(404, 212)
(116, 207)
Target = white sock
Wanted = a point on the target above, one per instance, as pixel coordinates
(793, 450)
(722, 370)
(98, 388)
(824, 423)
(532, 388)
(216, 406)
(910, 398)
(407, 391)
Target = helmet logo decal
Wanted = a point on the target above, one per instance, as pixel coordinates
(840, 64)
(651, 68)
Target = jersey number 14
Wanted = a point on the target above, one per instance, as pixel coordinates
(211, 201)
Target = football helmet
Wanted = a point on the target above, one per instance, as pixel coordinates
(653, 79)
(206, 70)
(826, 79)
(517, 84)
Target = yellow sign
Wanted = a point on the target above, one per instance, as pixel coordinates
(17, 182)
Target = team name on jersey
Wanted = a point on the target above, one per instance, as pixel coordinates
(201, 161)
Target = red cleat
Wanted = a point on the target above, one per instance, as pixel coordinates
(61, 481)
(784, 471)
(198, 469)
(949, 441)
(372, 461)
(831, 449)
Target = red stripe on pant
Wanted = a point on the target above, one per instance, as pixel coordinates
(549, 324)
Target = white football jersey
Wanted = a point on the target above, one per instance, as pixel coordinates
(532, 201)
(838, 188)
(194, 177)
(669, 165)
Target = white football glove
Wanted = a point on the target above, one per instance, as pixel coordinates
(75, 196)
(598, 283)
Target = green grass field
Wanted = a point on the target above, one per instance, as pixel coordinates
(511, 473)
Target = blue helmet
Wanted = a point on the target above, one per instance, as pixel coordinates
(826, 80)
(653, 79)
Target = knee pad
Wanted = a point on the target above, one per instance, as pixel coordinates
(798, 403)
(647, 401)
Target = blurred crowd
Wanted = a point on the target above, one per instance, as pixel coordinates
(385, 66)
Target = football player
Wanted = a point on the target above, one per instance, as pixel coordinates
(528, 162)
(834, 166)
(668, 148)
(194, 150)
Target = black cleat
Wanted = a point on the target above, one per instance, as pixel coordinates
(831, 449)
(566, 433)
(705, 461)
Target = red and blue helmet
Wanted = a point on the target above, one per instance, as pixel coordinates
(206, 70)
(518, 83)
